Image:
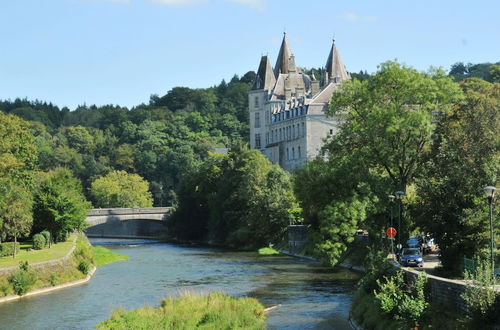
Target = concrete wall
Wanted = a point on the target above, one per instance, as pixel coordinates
(443, 291)
(297, 238)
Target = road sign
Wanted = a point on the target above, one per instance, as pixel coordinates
(391, 232)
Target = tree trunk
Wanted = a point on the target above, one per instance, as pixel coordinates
(15, 244)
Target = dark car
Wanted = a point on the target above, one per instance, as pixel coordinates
(411, 257)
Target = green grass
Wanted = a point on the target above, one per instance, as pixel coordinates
(192, 311)
(56, 251)
(268, 251)
(103, 256)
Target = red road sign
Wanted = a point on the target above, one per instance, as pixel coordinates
(391, 232)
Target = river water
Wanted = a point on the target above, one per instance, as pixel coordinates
(311, 296)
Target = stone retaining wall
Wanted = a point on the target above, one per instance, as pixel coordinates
(41, 264)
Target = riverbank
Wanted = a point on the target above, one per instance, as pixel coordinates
(76, 267)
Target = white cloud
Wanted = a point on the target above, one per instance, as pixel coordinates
(255, 4)
(354, 17)
(178, 2)
(350, 16)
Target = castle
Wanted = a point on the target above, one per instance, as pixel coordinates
(288, 120)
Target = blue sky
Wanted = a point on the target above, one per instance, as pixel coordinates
(71, 52)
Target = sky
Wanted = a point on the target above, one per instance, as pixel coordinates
(75, 52)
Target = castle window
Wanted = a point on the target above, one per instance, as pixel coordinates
(267, 138)
(256, 101)
(281, 135)
(303, 129)
(331, 131)
(287, 154)
(298, 151)
(257, 141)
(257, 120)
(293, 153)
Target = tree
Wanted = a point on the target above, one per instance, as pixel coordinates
(121, 189)
(389, 117)
(464, 158)
(59, 206)
(15, 210)
(18, 154)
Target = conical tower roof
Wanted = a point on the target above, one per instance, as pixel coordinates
(334, 67)
(284, 63)
(265, 77)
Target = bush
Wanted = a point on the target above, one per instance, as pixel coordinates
(39, 241)
(192, 311)
(7, 249)
(22, 280)
(481, 300)
(46, 234)
(53, 279)
(84, 267)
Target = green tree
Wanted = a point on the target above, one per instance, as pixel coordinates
(59, 205)
(465, 157)
(389, 117)
(16, 216)
(121, 189)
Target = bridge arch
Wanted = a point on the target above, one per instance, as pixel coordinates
(128, 222)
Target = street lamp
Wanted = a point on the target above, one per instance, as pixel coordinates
(399, 196)
(391, 200)
(490, 194)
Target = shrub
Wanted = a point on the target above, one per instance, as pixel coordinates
(7, 249)
(84, 267)
(53, 279)
(480, 297)
(192, 311)
(39, 241)
(22, 281)
(46, 234)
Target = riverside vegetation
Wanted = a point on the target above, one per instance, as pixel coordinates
(192, 311)
(76, 267)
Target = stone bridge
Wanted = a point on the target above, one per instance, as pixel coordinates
(127, 222)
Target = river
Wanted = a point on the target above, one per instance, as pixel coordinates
(311, 296)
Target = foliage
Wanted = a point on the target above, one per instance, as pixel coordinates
(389, 117)
(15, 209)
(7, 249)
(22, 280)
(405, 302)
(480, 297)
(239, 199)
(464, 158)
(192, 311)
(83, 254)
(60, 206)
(47, 236)
(486, 71)
(84, 267)
(39, 241)
(103, 256)
(268, 251)
(121, 189)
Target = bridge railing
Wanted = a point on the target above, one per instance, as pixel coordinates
(133, 210)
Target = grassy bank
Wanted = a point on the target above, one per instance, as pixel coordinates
(192, 311)
(56, 251)
(103, 256)
(28, 278)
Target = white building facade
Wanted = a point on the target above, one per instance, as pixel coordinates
(288, 120)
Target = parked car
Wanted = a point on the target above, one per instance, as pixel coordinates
(411, 257)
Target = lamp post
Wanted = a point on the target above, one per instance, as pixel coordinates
(399, 196)
(391, 201)
(490, 194)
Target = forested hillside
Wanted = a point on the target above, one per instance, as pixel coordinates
(159, 141)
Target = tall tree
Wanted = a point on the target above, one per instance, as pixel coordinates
(390, 116)
(465, 157)
(121, 189)
(59, 206)
(15, 210)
